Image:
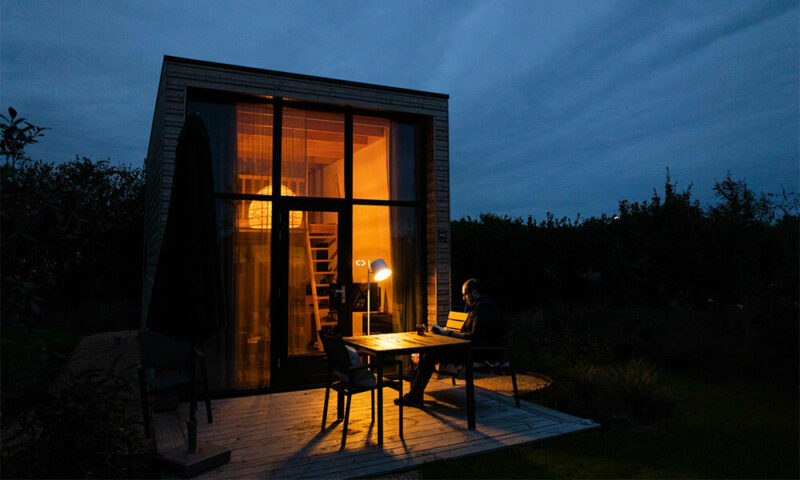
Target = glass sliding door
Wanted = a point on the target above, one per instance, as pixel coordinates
(313, 271)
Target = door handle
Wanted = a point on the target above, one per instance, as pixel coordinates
(341, 291)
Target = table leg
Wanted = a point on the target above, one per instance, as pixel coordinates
(470, 391)
(379, 359)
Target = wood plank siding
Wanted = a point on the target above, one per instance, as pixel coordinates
(179, 74)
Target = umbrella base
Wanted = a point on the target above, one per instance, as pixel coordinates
(189, 464)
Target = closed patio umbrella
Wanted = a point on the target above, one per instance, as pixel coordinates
(186, 300)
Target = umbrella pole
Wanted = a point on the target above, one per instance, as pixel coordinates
(196, 458)
(191, 424)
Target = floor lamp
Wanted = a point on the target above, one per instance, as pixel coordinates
(379, 271)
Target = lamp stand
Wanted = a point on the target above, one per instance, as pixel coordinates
(369, 290)
(381, 271)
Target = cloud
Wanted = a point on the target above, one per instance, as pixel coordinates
(643, 88)
(560, 106)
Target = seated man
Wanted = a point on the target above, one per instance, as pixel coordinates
(483, 327)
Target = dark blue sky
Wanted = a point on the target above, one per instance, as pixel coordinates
(555, 106)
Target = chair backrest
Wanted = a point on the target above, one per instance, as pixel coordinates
(336, 352)
(159, 350)
(455, 320)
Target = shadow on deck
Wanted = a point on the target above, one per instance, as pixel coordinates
(278, 435)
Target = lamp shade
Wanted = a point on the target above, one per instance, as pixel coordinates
(380, 270)
(259, 214)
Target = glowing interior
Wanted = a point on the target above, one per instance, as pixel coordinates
(259, 214)
(312, 165)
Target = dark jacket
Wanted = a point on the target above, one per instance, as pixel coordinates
(483, 325)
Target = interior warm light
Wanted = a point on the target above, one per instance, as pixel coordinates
(260, 213)
(382, 275)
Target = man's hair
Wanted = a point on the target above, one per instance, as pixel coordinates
(474, 284)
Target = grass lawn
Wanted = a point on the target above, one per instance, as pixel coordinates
(723, 430)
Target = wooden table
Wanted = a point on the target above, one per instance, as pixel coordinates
(381, 346)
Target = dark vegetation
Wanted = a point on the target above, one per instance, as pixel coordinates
(72, 238)
(603, 304)
(71, 265)
(81, 430)
(606, 306)
(724, 430)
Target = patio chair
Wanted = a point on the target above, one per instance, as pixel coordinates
(503, 356)
(348, 376)
(163, 370)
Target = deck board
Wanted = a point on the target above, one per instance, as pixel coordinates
(278, 435)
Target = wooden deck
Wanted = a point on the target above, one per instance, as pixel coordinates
(278, 435)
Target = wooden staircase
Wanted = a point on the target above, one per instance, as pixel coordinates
(323, 248)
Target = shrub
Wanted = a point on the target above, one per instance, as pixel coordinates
(84, 431)
(72, 233)
(31, 361)
(620, 393)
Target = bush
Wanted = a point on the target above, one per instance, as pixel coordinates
(72, 234)
(620, 393)
(712, 291)
(85, 431)
(31, 361)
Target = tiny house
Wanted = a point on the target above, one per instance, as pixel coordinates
(314, 180)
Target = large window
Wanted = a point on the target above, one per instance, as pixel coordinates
(384, 175)
(383, 214)
(240, 136)
(389, 233)
(253, 162)
(313, 154)
(384, 159)
(243, 350)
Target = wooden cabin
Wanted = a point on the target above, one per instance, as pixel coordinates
(315, 178)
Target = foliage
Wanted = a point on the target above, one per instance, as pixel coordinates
(619, 393)
(31, 361)
(723, 430)
(71, 234)
(666, 252)
(55, 439)
(712, 290)
(598, 369)
(71, 260)
(17, 134)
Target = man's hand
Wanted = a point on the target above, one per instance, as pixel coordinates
(436, 329)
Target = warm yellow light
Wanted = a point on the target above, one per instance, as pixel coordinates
(380, 270)
(382, 275)
(260, 213)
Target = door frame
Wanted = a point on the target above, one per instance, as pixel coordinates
(303, 370)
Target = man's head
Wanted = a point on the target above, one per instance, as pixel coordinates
(471, 291)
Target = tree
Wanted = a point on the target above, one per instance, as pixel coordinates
(16, 137)
(739, 204)
(71, 231)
